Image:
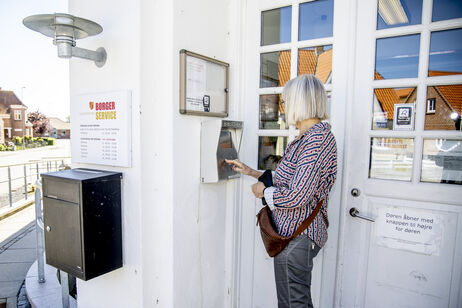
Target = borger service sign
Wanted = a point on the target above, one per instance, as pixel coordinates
(101, 128)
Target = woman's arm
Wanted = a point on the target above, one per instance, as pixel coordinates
(240, 167)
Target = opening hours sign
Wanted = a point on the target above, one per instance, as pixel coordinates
(101, 128)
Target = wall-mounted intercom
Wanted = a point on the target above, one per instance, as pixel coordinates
(83, 222)
(220, 139)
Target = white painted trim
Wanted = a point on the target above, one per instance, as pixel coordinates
(275, 48)
(315, 42)
(349, 15)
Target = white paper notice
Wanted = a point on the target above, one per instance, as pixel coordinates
(101, 128)
(413, 230)
(196, 83)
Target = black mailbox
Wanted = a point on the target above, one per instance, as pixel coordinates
(82, 219)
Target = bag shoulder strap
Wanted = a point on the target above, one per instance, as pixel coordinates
(308, 221)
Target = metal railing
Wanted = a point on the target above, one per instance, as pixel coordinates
(19, 177)
(39, 225)
(40, 234)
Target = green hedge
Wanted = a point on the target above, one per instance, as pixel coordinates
(29, 141)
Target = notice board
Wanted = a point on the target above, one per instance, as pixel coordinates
(203, 85)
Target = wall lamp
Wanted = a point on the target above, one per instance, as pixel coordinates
(65, 29)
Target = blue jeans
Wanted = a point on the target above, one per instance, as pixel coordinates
(292, 269)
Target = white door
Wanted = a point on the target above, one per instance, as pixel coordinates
(403, 167)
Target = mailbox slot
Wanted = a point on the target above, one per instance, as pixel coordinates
(62, 190)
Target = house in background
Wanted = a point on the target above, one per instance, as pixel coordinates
(13, 117)
(59, 128)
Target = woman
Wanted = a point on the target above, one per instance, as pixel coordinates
(304, 176)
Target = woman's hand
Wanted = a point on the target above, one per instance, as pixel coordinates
(258, 189)
(240, 167)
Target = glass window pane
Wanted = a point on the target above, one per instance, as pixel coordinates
(445, 53)
(391, 158)
(397, 13)
(397, 57)
(272, 112)
(317, 61)
(274, 68)
(276, 26)
(446, 9)
(442, 161)
(444, 107)
(384, 105)
(316, 19)
(270, 151)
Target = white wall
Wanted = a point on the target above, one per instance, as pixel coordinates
(178, 234)
(121, 39)
(157, 108)
(203, 213)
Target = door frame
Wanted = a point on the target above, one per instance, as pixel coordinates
(343, 43)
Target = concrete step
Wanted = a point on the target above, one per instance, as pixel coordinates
(48, 293)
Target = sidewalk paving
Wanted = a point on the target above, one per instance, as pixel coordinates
(18, 250)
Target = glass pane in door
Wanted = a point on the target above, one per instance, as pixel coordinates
(446, 9)
(444, 107)
(276, 26)
(442, 161)
(274, 68)
(270, 151)
(391, 158)
(272, 112)
(316, 19)
(397, 57)
(316, 61)
(445, 53)
(397, 13)
(385, 102)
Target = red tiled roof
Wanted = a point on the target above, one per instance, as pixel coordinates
(284, 67)
(324, 67)
(441, 73)
(306, 62)
(453, 95)
(309, 63)
(403, 93)
(388, 97)
(8, 98)
(58, 123)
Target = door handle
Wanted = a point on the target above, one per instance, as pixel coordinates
(354, 212)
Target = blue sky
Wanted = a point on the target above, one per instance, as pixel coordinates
(29, 59)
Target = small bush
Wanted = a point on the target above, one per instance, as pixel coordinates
(51, 141)
(28, 139)
(3, 147)
(17, 140)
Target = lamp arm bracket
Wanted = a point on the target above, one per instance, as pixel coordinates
(99, 56)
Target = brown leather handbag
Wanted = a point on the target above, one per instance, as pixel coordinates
(275, 243)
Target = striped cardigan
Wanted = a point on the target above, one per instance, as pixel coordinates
(305, 175)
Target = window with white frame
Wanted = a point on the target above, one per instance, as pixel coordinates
(431, 105)
(17, 115)
(286, 52)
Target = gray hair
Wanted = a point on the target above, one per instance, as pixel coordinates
(305, 98)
